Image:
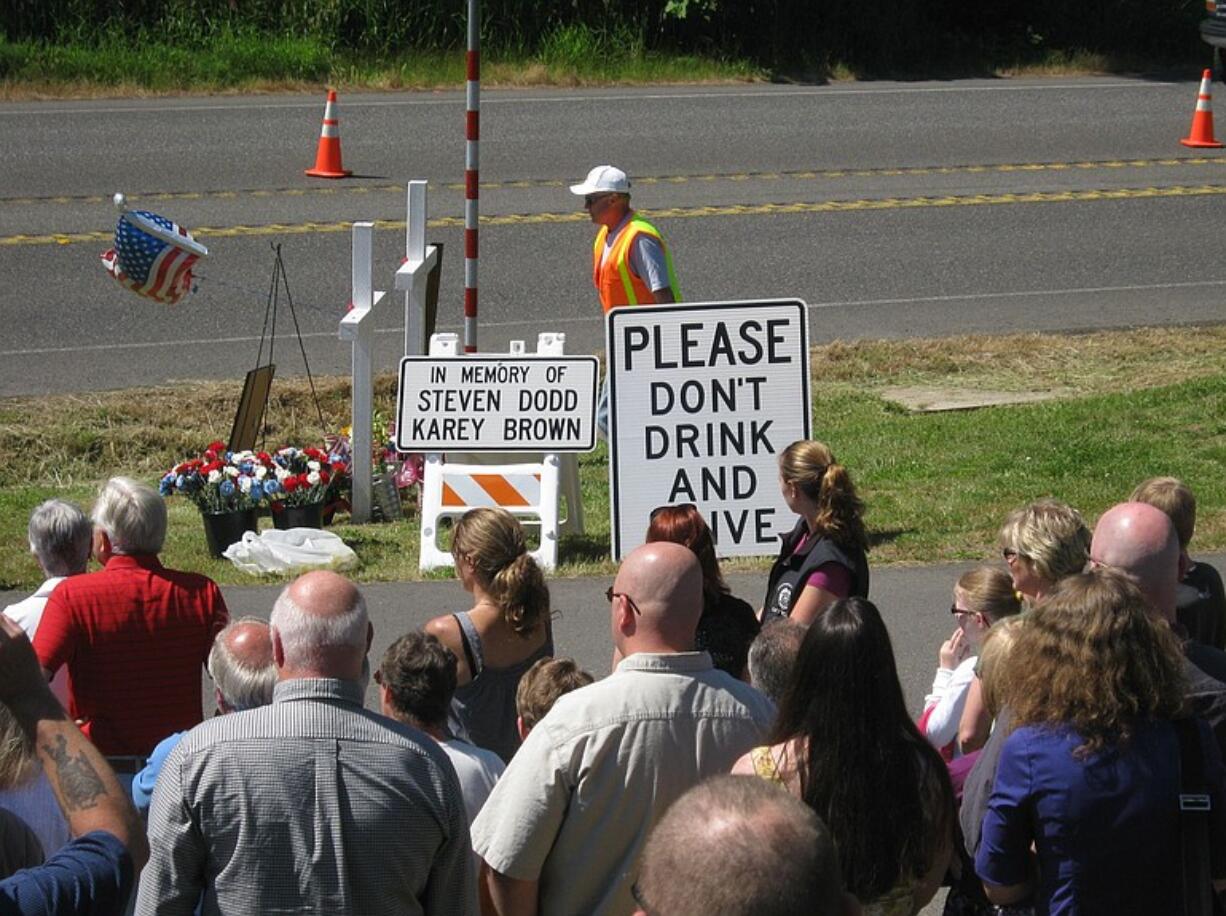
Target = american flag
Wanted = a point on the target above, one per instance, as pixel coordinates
(153, 256)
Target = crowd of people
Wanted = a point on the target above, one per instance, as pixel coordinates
(739, 759)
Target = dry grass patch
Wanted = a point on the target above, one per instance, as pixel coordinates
(1076, 364)
(82, 438)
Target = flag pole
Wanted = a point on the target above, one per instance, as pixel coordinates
(471, 169)
(158, 232)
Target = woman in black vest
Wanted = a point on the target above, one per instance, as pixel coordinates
(823, 558)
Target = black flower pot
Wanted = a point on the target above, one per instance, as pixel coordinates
(225, 528)
(308, 516)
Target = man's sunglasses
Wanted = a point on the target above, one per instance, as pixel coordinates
(610, 595)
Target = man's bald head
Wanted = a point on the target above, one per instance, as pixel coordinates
(323, 594)
(241, 665)
(1140, 540)
(664, 582)
(320, 628)
(741, 845)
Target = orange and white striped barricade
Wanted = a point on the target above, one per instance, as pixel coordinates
(527, 491)
(529, 485)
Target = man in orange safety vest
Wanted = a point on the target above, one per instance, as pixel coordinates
(631, 263)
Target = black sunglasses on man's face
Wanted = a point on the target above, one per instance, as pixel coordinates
(610, 594)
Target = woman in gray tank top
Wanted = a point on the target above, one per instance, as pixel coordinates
(502, 635)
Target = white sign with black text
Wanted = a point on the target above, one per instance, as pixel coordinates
(496, 404)
(703, 398)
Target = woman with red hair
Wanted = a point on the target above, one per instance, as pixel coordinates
(728, 624)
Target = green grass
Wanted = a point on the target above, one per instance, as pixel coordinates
(182, 59)
(255, 62)
(937, 485)
(229, 61)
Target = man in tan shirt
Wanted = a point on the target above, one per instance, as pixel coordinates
(563, 829)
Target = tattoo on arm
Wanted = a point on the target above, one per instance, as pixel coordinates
(79, 782)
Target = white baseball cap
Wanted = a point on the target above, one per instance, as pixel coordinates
(603, 179)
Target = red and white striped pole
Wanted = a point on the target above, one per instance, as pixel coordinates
(471, 167)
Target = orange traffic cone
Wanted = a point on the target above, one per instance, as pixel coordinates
(1201, 134)
(328, 154)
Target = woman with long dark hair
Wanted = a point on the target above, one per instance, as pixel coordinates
(844, 743)
(822, 559)
(728, 625)
(502, 635)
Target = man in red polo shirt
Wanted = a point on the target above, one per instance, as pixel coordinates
(134, 634)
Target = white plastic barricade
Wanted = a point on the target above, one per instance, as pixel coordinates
(528, 485)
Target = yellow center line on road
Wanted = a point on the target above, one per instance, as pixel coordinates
(792, 175)
(528, 219)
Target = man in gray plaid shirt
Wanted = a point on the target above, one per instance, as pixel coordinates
(312, 804)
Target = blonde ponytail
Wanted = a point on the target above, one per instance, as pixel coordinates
(493, 541)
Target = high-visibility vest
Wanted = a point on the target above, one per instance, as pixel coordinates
(614, 281)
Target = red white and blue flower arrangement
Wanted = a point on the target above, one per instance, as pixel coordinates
(224, 481)
(303, 476)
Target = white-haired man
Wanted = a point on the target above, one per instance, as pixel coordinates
(60, 535)
(244, 675)
(311, 804)
(772, 656)
(133, 635)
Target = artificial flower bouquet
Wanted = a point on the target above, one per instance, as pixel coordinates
(304, 476)
(401, 471)
(405, 469)
(223, 481)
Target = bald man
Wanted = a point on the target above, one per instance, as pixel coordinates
(741, 846)
(1140, 540)
(562, 831)
(311, 804)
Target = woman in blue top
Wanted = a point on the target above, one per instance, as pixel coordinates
(1084, 816)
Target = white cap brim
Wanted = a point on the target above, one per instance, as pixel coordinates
(584, 189)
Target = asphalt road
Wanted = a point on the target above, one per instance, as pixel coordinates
(893, 209)
(913, 600)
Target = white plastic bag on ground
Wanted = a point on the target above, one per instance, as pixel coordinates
(290, 551)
